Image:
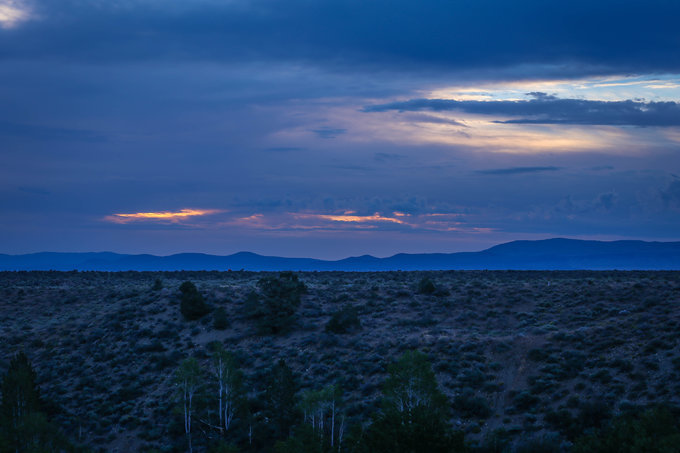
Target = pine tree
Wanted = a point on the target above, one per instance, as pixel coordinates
(20, 398)
(280, 399)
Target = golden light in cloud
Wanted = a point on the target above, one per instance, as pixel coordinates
(350, 218)
(171, 216)
(12, 12)
(483, 133)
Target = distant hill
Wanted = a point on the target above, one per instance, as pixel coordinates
(550, 254)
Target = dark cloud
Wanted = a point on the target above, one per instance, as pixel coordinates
(329, 132)
(517, 170)
(544, 109)
(423, 118)
(606, 200)
(284, 149)
(608, 36)
(147, 105)
(33, 132)
(671, 195)
(387, 157)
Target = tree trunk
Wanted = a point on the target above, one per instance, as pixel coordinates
(332, 422)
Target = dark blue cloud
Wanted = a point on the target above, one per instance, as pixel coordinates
(517, 170)
(544, 109)
(46, 133)
(422, 118)
(387, 157)
(579, 36)
(329, 132)
(671, 195)
(147, 105)
(284, 149)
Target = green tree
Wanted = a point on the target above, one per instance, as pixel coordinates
(20, 398)
(305, 440)
(655, 430)
(192, 304)
(414, 415)
(23, 425)
(280, 300)
(322, 414)
(220, 319)
(280, 400)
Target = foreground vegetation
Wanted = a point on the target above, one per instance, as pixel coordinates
(352, 362)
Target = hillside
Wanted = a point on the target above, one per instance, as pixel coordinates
(519, 355)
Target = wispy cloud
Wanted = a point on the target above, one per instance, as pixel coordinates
(350, 220)
(163, 216)
(516, 170)
(284, 149)
(351, 217)
(12, 12)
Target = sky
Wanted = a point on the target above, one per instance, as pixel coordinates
(335, 128)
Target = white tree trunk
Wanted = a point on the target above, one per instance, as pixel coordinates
(332, 421)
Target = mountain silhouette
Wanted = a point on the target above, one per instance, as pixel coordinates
(549, 254)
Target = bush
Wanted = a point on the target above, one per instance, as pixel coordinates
(426, 286)
(654, 430)
(220, 320)
(545, 444)
(192, 305)
(344, 321)
(252, 307)
(471, 406)
(280, 300)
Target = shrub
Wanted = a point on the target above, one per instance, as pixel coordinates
(471, 406)
(220, 320)
(252, 308)
(655, 430)
(344, 321)
(192, 304)
(280, 300)
(426, 286)
(544, 444)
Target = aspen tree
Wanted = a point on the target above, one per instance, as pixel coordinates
(229, 380)
(187, 380)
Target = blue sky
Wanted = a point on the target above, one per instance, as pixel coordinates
(335, 128)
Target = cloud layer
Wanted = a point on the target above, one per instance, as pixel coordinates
(546, 109)
(575, 37)
(330, 128)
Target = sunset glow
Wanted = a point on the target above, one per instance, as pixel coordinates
(327, 128)
(350, 218)
(172, 216)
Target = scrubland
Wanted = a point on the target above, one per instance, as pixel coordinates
(527, 361)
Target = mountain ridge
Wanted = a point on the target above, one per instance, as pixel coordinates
(547, 254)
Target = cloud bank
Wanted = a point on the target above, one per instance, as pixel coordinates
(545, 109)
